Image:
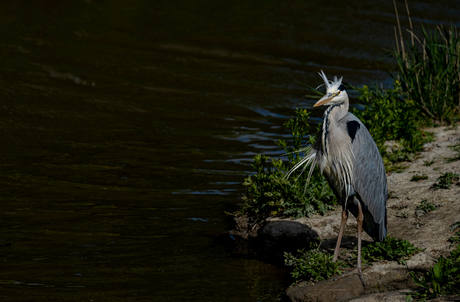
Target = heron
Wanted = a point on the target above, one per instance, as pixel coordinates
(348, 157)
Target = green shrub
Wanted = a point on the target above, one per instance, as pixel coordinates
(269, 193)
(429, 73)
(312, 265)
(391, 249)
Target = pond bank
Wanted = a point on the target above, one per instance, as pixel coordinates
(429, 230)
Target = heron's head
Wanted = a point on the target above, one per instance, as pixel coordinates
(335, 92)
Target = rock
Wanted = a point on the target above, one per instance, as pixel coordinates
(327, 291)
(279, 236)
(381, 277)
(421, 262)
(385, 276)
(394, 296)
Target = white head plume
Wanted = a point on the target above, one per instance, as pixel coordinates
(331, 86)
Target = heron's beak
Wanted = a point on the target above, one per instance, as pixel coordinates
(325, 99)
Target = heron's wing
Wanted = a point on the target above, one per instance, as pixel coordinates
(370, 182)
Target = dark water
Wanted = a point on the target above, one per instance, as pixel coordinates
(127, 128)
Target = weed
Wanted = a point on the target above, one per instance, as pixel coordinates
(428, 163)
(403, 214)
(456, 237)
(445, 180)
(269, 193)
(418, 177)
(425, 207)
(391, 249)
(312, 265)
(392, 195)
(456, 149)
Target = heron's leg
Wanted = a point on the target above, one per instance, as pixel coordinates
(339, 239)
(358, 270)
(360, 230)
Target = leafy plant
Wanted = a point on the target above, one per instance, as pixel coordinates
(456, 237)
(428, 163)
(445, 180)
(442, 279)
(312, 265)
(456, 149)
(269, 193)
(417, 177)
(425, 207)
(391, 249)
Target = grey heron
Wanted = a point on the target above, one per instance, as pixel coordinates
(347, 155)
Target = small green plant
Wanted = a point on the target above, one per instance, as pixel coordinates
(269, 193)
(403, 214)
(442, 279)
(455, 239)
(391, 249)
(312, 265)
(456, 149)
(428, 163)
(417, 177)
(425, 207)
(445, 181)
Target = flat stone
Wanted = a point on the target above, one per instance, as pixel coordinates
(327, 291)
(394, 296)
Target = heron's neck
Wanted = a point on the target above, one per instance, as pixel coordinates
(331, 117)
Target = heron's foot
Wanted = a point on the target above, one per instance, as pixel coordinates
(357, 271)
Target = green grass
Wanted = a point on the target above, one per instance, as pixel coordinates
(429, 72)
